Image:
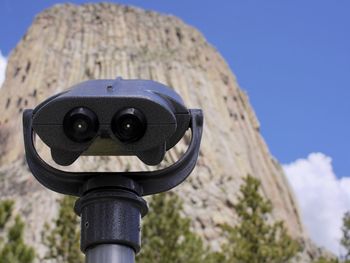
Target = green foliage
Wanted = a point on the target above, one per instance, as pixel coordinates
(254, 239)
(6, 207)
(327, 260)
(345, 241)
(13, 249)
(63, 240)
(167, 236)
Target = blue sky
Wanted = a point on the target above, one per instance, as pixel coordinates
(293, 59)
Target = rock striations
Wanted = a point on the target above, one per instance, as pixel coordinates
(67, 44)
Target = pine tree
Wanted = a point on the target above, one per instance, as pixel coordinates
(13, 249)
(345, 241)
(167, 236)
(327, 260)
(63, 240)
(6, 207)
(254, 239)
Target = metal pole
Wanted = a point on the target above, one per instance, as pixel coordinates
(110, 224)
(110, 253)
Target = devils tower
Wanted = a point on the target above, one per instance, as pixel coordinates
(67, 44)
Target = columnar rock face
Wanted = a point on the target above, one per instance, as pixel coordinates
(68, 44)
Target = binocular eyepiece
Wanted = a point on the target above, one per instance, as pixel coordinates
(129, 125)
(81, 125)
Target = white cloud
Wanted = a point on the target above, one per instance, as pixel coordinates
(323, 198)
(3, 63)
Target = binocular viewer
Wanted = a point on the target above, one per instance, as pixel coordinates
(112, 117)
(117, 118)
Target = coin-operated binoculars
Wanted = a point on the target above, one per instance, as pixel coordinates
(112, 117)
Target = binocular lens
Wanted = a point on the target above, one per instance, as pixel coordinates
(129, 125)
(80, 124)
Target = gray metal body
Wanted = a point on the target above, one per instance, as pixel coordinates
(110, 253)
(166, 116)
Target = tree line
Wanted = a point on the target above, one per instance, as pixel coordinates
(167, 236)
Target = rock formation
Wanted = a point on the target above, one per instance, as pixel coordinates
(67, 44)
